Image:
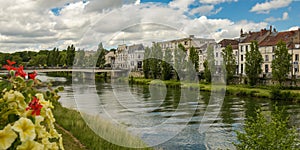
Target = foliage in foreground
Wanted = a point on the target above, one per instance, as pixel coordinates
(26, 119)
(262, 133)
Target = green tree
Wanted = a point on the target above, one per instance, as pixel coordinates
(180, 62)
(281, 64)
(254, 61)
(101, 52)
(194, 57)
(166, 66)
(209, 64)
(155, 61)
(146, 63)
(273, 134)
(229, 62)
(70, 55)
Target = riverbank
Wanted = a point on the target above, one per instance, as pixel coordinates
(73, 127)
(271, 92)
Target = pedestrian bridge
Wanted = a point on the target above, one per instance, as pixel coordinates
(83, 70)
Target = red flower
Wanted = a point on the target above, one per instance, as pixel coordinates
(20, 72)
(7, 67)
(36, 106)
(10, 63)
(32, 75)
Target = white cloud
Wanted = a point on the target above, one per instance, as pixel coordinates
(294, 28)
(269, 5)
(205, 10)
(181, 4)
(30, 25)
(215, 1)
(285, 16)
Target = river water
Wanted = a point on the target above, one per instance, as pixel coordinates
(149, 110)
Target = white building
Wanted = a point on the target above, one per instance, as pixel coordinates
(129, 57)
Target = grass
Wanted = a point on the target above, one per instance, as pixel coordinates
(237, 90)
(72, 121)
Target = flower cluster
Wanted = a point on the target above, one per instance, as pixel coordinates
(26, 119)
(19, 71)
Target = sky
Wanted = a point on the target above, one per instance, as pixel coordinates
(35, 25)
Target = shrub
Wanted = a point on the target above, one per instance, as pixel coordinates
(274, 134)
(26, 119)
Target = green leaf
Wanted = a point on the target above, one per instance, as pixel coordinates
(30, 83)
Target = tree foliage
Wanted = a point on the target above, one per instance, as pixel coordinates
(146, 63)
(261, 133)
(100, 56)
(281, 63)
(180, 62)
(194, 58)
(166, 66)
(209, 64)
(254, 61)
(230, 62)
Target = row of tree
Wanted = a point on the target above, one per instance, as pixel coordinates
(254, 60)
(168, 64)
(57, 58)
(177, 63)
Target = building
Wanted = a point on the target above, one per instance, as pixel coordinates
(268, 45)
(200, 44)
(136, 56)
(129, 57)
(110, 59)
(245, 42)
(234, 44)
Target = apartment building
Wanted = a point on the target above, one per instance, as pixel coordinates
(268, 46)
(234, 44)
(129, 57)
(200, 44)
(244, 45)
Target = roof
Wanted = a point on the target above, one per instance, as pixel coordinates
(256, 36)
(274, 38)
(226, 42)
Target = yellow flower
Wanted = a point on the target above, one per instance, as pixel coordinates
(26, 129)
(30, 145)
(20, 99)
(7, 137)
(9, 96)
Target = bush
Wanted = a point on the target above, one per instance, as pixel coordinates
(273, 134)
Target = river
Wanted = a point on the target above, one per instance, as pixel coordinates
(149, 110)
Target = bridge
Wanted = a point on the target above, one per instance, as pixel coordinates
(83, 70)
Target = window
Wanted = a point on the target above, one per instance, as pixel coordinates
(273, 57)
(241, 49)
(266, 68)
(242, 57)
(297, 57)
(246, 48)
(185, 43)
(266, 57)
(273, 49)
(236, 53)
(217, 54)
(242, 68)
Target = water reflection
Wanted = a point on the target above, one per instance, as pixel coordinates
(180, 107)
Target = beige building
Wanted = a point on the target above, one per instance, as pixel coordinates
(234, 44)
(200, 44)
(268, 45)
